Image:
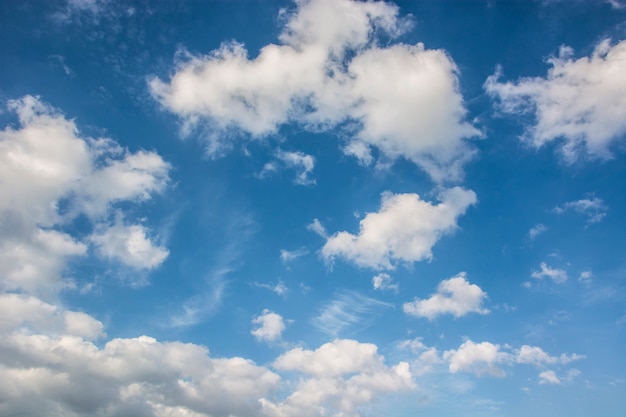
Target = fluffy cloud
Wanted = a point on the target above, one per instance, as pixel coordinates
(579, 101)
(454, 296)
(270, 326)
(548, 377)
(405, 229)
(480, 358)
(21, 311)
(593, 208)
(384, 282)
(50, 176)
(129, 245)
(69, 376)
(342, 375)
(327, 70)
(559, 276)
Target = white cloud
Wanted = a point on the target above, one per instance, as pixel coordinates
(328, 69)
(593, 208)
(536, 231)
(42, 375)
(130, 245)
(341, 376)
(347, 310)
(548, 377)
(478, 358)
(270, 326)
(21, 311)
(559, 276)
(51, 175)
(384, 282)
(533, 355)
(405, 229)
(454, 296)
(427, 357)
(579, 101)
(301, 162)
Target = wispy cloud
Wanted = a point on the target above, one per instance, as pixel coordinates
(348, 310)
(592, 207)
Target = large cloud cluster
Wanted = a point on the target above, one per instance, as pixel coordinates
(580, 102)
(329, 70)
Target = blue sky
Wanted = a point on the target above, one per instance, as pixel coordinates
(312, 208)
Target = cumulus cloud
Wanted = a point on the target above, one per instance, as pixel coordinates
(548, 377)
(328, 69)
(405, 229)
(593, 208)
(25, 312)
(559, 276)
(454, 296)
(67, 375)
(479, 358)
(130, 245)
(384, 282)
(580, 101)
(340, 375)
(51, 175)
(270, 326)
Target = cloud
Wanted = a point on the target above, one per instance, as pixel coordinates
(52, 175)
(270, 326)
(327, 71)
(533, 355)
(536, 231)
(548, 377)
(384, 282)
(129, 245)
(454, 296)
(287, 256)
(24, 312)
(593, 208)
(585, 276)
(405, 229)
(347, 309)
(579, 101)
(279, 288)
(559, 276)
(340, 375)
(67, 375)
(478, 358)
(318, 228)
(299, 161)
(427, 357)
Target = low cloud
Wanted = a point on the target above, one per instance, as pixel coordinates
(454, 296)
(269, 328)
(579, 102)
(405, 229)
(328, 70)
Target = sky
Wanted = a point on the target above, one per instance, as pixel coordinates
(312, 208)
